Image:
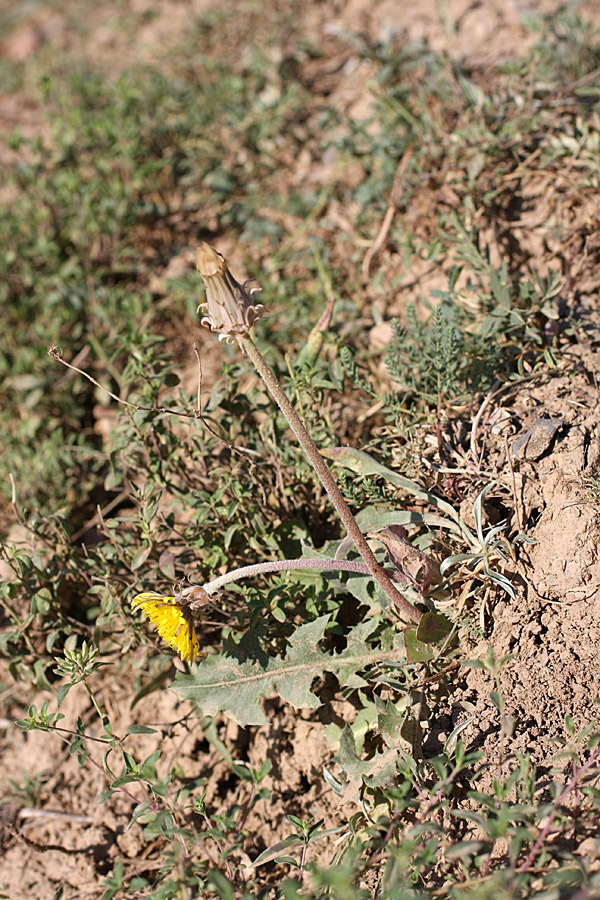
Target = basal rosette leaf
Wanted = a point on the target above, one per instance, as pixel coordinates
(237, 679)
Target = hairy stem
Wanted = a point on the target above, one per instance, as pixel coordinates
(283, 565)
(326, 478)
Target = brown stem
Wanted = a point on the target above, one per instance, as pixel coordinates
(326, 478)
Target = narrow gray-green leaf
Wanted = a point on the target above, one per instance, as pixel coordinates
(374, 518)
(363, 464)
(275, 851)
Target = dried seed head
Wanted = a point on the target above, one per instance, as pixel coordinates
(229, 307)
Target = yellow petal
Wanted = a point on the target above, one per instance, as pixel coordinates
(172, 620)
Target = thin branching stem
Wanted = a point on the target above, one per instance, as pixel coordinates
(573, 782)
(326, 478)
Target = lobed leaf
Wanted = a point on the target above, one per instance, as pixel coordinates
(244, 673)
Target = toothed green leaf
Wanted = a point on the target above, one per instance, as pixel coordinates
(236, 680)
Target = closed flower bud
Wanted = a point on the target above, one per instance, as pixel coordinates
(229, 308)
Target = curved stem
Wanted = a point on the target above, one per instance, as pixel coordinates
(282, 565)
(326, 478)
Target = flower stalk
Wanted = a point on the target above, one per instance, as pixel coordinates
(326, 478)
(174, 617)
(285, 565)
(230, 311)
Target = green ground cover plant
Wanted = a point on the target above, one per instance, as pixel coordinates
(126, 482)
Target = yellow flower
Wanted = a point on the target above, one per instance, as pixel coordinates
(173, 618)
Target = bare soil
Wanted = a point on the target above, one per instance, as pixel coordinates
(552, 631)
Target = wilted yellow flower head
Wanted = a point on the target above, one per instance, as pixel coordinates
(229, 307)
(173, 618)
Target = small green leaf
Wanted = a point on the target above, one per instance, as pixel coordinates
(229, 535)
(278, 614)
(464, 850)
(336, 786)
(434, 628)
(416, 651)
(166, 564)
(62, 693)
(496, 700)
(141, 729)
(275, 851)
(140, 558)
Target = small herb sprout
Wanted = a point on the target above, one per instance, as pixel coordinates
(77, 665)
(307, 832)
(487, 552)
